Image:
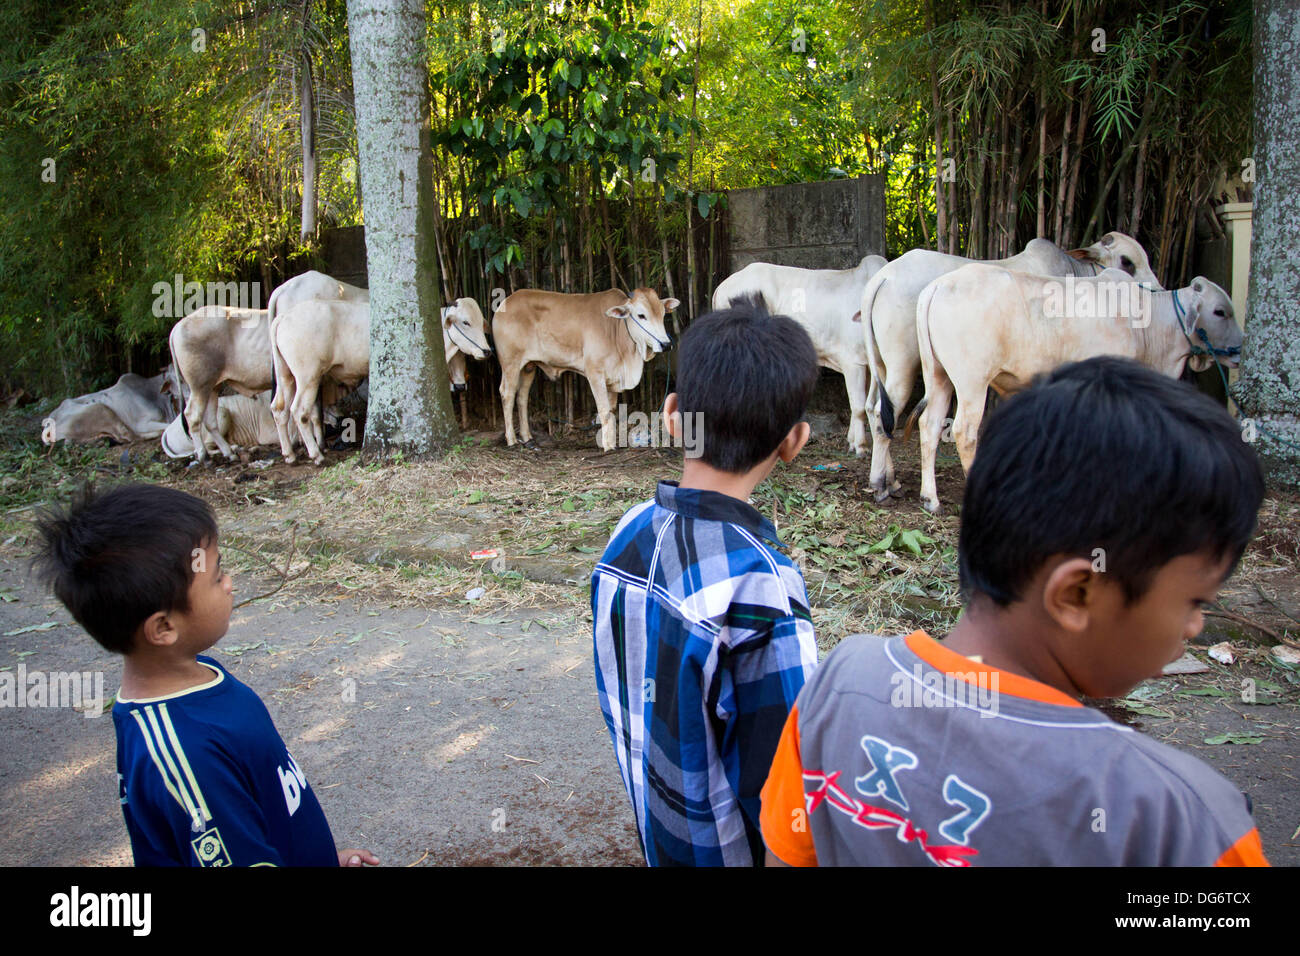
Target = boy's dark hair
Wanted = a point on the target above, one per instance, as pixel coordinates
(750, 375)
(116, 557)
(1108, 454)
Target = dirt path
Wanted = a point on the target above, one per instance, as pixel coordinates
(420, 731)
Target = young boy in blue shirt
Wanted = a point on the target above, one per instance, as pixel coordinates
(204, 778)
(701, 626)
(1106, 506)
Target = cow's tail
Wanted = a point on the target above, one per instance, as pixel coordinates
(270, 319)
(279, 370)
(180, 383)
(926, 350)
(875, 367)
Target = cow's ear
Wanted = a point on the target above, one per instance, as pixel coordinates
(620, 311)
(670, 304)
(446, 315)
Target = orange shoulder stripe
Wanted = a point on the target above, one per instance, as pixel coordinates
(783, 818)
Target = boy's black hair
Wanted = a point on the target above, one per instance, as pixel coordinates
(750, 375)
(1108, 454)
(116, 557)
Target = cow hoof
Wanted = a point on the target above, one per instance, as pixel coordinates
(882, 496)
(931, 506)
(318, 460)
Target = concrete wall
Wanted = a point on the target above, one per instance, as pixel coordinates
(826, 225)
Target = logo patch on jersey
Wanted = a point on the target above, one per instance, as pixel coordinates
(210, 850)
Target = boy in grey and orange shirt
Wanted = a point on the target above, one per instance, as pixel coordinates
(1106, 506)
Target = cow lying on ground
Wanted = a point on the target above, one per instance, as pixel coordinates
(984, 326)
(317, 343)
(213, 346)
(132, 409)
(889, 321)
(607, 337)
(826, 303)
(242, 421)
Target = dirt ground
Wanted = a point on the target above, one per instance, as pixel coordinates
(436, 755)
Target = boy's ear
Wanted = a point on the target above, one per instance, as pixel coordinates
(158, 630)
(672, 416)
(1069, 595)
(794, 442)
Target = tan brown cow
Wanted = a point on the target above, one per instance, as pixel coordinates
(213, 346)
(607, 337)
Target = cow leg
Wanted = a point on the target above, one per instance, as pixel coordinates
(303, 404)
(194, 410)
(879, 440)
(899, 389)
(938, 396)
(509, 385)
(604, 411)
(281, 407)
(855, 382)
(526, 377)
(966, 423)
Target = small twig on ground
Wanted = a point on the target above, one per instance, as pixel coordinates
(1260, 591)
(284, 575)
(419, 861)
(520, 759)
(1228, 615)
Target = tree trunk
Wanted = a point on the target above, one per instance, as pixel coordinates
(307, 125)
(1085, 113)
(940, 206)
(410, 407)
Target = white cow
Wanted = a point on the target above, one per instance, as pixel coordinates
(215, 346)
(242, 421)
(302, 288)
(826, 303)
(129, 410)
(889, 321)
(317, 341)
(984, 326)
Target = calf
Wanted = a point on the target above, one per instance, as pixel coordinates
(607, 337)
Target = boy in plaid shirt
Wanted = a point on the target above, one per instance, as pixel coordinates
(702, 633)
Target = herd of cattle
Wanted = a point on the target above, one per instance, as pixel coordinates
(963, 326)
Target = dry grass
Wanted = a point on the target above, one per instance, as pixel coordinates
(558, 506)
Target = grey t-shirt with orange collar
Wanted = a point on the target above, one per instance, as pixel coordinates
(902, 752)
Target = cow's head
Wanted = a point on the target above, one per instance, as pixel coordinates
(174, 389)
(1207, 307)
(462, 329)
(643, 317)
(1118, 251)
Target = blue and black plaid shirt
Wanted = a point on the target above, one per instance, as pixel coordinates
(702, 642)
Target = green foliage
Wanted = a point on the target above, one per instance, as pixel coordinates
(545, 98)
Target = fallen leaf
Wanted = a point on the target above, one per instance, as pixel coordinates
(33, 627)
(1235, 739)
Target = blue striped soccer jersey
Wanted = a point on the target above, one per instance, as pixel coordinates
(206, 780)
